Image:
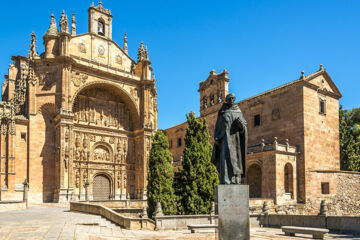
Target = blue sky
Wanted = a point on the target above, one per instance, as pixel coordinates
(262, 43)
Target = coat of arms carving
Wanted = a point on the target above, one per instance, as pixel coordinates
(78, 78)
(82, 47)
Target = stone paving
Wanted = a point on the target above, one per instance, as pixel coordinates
(54, 221)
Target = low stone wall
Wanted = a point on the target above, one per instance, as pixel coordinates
(333, 223)
(11, 205)
(120, 203)
(123, 221)
(176, 222)
(345, 201)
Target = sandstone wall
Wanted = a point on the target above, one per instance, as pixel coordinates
(344, 198)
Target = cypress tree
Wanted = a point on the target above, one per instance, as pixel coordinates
(198, 176)
(160, 178)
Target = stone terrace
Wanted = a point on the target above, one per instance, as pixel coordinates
(53, 221)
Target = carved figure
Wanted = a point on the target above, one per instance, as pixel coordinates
(230, 147)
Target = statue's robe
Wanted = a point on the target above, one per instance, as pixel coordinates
(229, 155)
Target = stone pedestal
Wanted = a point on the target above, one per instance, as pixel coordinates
(233, 212)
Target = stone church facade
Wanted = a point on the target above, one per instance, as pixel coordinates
(293, 153)
(80, 113)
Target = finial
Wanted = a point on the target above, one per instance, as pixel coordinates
(321, 67)
(92, 4)
(73, 25)
(64, 26)
(53, 27)
(141, 52)
(146, 55)
(275, 144)
(153, 77)
(32, 52)
(302, 74)
(262, 144)
(100, 3)
(125, 44)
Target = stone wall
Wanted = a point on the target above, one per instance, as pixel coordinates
(344, 197)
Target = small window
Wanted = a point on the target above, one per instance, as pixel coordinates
(322, 107)
(325, 188)
(101, 28)
(257, 120)
(23, 136)
(179, 142)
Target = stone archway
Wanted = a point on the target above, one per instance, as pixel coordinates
(254, 174)
(101, 188)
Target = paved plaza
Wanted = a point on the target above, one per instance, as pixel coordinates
(54, 221)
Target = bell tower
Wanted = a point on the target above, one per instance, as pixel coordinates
(100, 21)
(213, 92)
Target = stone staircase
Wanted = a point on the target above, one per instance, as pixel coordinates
(98, 225)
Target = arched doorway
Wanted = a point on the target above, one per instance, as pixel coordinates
(288, 179)
(254, 180)
(101, 188)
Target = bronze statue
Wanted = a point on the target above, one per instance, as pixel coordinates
(229, 152)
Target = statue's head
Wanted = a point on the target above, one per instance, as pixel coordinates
(230, 99)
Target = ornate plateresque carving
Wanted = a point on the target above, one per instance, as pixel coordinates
(101, 108)
(101, 154)
(78, 78)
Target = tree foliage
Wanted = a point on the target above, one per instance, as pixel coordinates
(160, 178)
(198, 176)
(349, 122)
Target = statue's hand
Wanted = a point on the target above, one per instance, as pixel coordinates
(239, 124)
(217, 142)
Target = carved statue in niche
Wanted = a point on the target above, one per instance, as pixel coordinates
(66, 135)
(118, 155)
(66, 159)
(119, 180)
(77, 178)
(125, 180)
(85, 176)
(125, 150)
(85, 141)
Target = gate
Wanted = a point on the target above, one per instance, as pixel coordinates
(101, 188)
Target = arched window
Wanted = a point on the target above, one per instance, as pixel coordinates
(288, 179)
(101, 27)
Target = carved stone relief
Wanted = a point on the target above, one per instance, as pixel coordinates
(47, 80)
(101, 108)
(78, 78)
(118, 59)
(275, 115)
(82, 47)
(101, 154)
